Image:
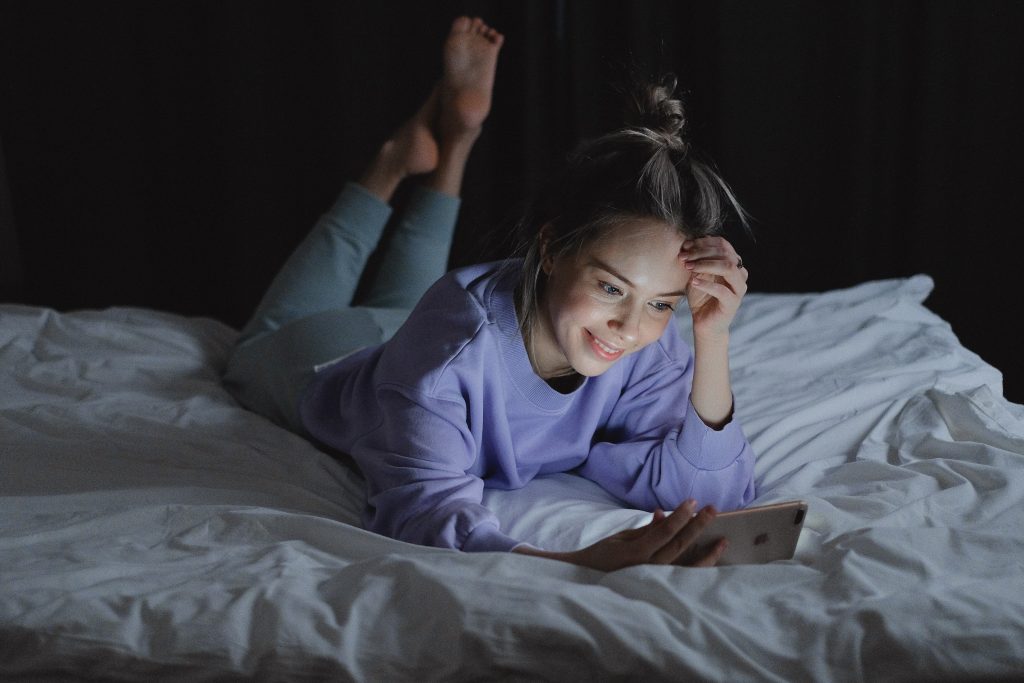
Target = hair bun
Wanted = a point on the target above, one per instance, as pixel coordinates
(653, 106)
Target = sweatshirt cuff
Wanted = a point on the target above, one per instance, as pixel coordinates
(486, 537)
(706, 448)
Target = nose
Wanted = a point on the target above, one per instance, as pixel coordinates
(626, 324)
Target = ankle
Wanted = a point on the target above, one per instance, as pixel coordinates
(457, 148)
(447, 177)
(385, 172)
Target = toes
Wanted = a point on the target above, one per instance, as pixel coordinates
(488, 32)
(477, 26)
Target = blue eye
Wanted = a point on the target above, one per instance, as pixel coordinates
(610, 289)
(661, 306)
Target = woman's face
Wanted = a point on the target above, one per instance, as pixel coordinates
(613, 298)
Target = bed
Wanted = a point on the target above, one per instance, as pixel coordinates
(152, 529)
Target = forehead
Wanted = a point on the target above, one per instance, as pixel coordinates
(645, 251)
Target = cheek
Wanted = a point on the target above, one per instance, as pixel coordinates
(576, 307)
(652, 330)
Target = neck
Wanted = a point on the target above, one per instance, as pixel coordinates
(565, 384)
(564, 379)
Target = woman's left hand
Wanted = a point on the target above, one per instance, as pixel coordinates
(718, 281)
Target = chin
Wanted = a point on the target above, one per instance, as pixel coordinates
(592, 367)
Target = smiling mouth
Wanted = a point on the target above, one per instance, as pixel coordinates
(601, 349)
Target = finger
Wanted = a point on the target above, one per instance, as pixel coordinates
(707, 240)
(734, 278)
(721, 267)
(708, 247)
(702, 253)
(664, 530)
(726, 257)
(671, 550)
(711, 558)
(718, 290)
(728, 267)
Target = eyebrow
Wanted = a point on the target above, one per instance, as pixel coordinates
(604, 266)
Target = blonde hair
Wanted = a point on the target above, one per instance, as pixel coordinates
(646, 169)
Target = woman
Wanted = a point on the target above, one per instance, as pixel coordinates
(562, 360)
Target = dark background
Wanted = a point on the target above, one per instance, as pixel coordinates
(171, 154)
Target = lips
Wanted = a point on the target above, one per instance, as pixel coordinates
(601, 349)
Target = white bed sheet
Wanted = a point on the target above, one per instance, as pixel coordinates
(152, 528)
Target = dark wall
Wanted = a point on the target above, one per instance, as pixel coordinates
(170, 155)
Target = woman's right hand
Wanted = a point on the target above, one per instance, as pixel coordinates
(664, 540)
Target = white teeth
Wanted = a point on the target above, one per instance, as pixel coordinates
(607, 349)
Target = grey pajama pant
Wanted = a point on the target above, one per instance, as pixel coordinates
(308, 318)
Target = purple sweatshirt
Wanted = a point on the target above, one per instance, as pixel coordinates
(451, 404)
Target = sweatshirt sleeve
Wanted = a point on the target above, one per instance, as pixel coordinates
(417, 464)
(656, 452)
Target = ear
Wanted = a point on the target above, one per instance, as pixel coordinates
(547, 261)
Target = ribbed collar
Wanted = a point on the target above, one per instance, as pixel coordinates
(502, 311)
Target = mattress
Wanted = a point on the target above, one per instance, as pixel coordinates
(153, 529)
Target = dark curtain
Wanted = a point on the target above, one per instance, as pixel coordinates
(11, 276)
(170, 155)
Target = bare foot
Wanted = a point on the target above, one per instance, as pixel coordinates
(440, 135)
(411, 150)
(415, 150)
(470, 57)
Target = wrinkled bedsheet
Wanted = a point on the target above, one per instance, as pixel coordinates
(151, 528)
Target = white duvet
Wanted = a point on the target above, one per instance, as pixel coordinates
(150, 528)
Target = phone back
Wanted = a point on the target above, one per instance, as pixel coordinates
(756, 535)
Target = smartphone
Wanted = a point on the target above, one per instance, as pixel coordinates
(756, 535)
